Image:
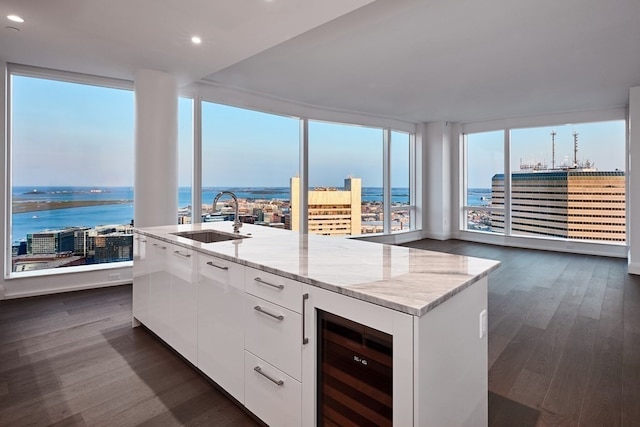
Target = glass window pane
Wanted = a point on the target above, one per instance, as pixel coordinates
(185, 159)
(400, 175)
(569, 182)
(345, 179)
(253, 154)
(71, 174)
(485, 181)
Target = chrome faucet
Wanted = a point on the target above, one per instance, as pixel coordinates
(236, 222)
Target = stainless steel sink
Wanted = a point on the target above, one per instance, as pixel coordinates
(209, 236)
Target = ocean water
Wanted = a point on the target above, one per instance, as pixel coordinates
(478, 196)
(92, 216)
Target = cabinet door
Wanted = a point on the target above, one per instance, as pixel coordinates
(159, 289)
(397, 324)
(274, 333)
(273, 288)
(271, 394)
(140, 279)
(184, 302)
(221, 323)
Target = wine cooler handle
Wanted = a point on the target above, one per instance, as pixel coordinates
(305, 340)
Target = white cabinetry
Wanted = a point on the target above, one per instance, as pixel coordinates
(140, 279)
(273, 342)
(221, 323)
(182, 266)
(274, 333)
(271, 394)
(159, 289)
(256, 335)
(165, 293)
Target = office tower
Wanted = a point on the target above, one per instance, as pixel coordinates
(572, 203)
(332, 211)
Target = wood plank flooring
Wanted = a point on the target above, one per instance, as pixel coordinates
(564, 350)
(564, 337)
(73, 359)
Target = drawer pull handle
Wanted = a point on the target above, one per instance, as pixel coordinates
(183, 255)
(158, 246)
(275, 316)
(259, 280)
(258, 369)
(217, 266)
(305, 340)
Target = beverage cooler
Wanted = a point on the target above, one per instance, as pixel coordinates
(355, 376)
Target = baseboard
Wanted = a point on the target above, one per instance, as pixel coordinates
(50, 291)
(437, 236)
(634, 268)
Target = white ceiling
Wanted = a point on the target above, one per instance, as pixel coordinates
(413, 60)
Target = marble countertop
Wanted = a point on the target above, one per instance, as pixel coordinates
(409, 280)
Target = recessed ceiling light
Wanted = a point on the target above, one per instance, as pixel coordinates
(15, 18)
(196, 40)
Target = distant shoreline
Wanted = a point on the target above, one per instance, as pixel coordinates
(36, 206)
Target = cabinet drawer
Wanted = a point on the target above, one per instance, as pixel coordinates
(271, 394)
(276, 289)
(220, 271)
(274, 334)
(182, 263)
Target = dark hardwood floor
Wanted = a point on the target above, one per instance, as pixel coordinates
(73, 359)
(564, 350)
(564, 337)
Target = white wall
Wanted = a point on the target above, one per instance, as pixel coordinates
(156, 149)
(633, 187)
(436, 179)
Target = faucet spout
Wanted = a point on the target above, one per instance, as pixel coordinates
(236, 221)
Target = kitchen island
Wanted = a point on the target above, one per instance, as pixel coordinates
(245, 311)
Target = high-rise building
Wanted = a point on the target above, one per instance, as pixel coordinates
(571, 203)
(51, 242)
(332, 211)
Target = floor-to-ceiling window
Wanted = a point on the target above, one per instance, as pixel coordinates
(70, 171)
(253, 154)
(483, 196)
(345, 179)
(185, 159)
(566, 181)
(402, 205)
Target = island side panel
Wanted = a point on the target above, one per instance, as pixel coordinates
(451, 373)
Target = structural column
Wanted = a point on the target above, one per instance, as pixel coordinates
(633, 182)
(436, 180)
(156, 149)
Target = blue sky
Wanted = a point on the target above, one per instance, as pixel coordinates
(83, 135)
(602, 143)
